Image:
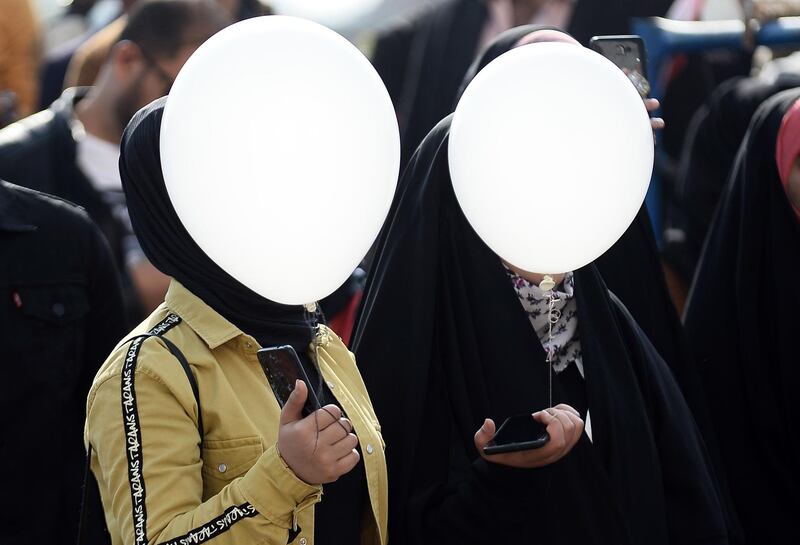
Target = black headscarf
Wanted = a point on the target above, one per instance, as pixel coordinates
(171, 249)
(713, 139)
(742, 322)
(443, 342)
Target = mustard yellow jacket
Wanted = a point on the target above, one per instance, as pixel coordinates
(158, 485)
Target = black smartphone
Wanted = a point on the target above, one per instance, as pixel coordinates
(283, 368)
(629, 54)
(517, 433)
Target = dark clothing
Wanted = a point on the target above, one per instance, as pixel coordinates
(631, 269)
(53, 70)
(742, 323)
(423, 61)
(61, 314)
(337, 519)
(470, 352)
(713, 140)
(39, 152)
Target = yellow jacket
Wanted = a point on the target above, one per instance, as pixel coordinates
(158, 485)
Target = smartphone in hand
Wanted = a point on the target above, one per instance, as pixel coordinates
(282, 368)
(629, 54)
(518, 433)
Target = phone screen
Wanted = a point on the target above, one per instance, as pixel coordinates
(283, 368)
(628, 53)
(519, 429)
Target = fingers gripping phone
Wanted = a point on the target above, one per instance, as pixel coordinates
(283, 368)
(518, 433)
(629, 54)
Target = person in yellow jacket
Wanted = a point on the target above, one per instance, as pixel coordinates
(259, 474)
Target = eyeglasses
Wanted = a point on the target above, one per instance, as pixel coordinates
(163, 75)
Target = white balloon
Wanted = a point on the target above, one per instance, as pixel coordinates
(550, 153)
(280, 152)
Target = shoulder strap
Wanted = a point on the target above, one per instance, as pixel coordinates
(175, 351)
(91, 526)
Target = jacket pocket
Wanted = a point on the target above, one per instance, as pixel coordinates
(50, 321)
(227, 459)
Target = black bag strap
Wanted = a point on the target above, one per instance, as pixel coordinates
(92, 529)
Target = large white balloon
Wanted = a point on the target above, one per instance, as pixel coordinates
(280, 151)
(550, 153)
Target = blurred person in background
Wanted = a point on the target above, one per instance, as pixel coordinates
(709, 154)
(66, 24)
(19, 58)
(61, 312)
(85, 64)
(423, 60)
(742, 323)
(72, 149)
(56, 61)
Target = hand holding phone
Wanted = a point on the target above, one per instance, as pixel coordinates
(562, 424)
(630, 56)
(318, 448)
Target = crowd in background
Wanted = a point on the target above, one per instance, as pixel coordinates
(718, 297)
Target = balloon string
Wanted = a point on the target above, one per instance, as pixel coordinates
(553, 315)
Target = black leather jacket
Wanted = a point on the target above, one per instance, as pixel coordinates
(40, 152)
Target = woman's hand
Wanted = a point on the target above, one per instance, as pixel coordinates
(319, 448)
(564, 426)
(652, 105)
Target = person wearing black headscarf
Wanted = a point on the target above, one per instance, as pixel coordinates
(742, 323)
(255, 473)
(467, 347)
(713, 140)
(424, 59)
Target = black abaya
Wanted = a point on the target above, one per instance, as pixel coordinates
(631, 269)
(742, 324)
(713, 139)
(443, 342)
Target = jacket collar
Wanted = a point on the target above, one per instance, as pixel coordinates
(205, 321)
(12, 216)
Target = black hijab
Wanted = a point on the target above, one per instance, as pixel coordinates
(742, 322)
(443, 342)
(712, 142)
(171, 249)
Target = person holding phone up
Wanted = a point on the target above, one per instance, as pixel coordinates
(226, 463)
(467, 336)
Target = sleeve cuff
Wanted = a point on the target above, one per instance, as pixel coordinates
(276, 492)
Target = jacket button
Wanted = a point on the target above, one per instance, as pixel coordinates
(303, 541)
(222, 468)
(331, 385)
(370, 450)
(58, 309)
